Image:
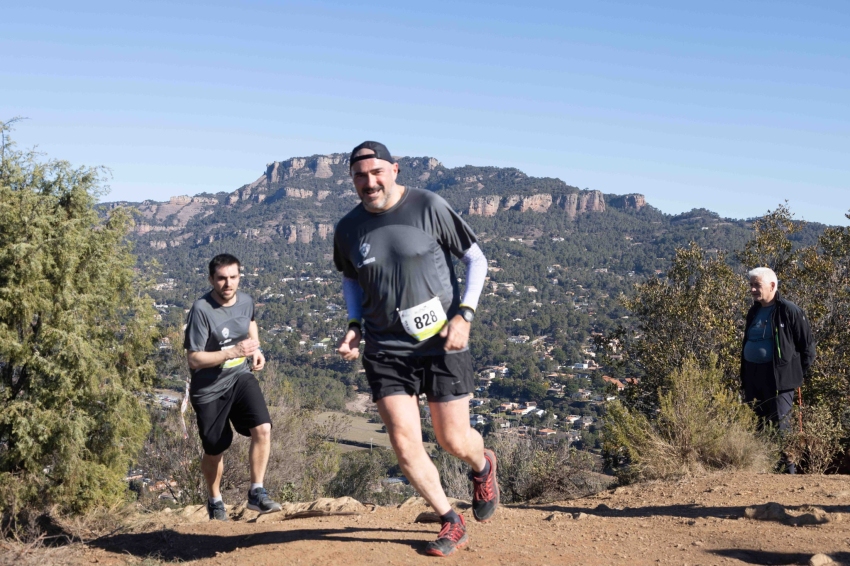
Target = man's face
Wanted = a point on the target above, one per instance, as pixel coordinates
(374, 180)
(762, 291)
(225, 281)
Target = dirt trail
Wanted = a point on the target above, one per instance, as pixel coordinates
(696, 521)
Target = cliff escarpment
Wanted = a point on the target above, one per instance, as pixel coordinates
(300, 199)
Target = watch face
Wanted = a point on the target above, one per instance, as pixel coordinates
(467, 314)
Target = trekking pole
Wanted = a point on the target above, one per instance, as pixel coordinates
(800, 400)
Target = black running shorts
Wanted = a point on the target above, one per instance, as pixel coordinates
(442, 378)
(242, 405)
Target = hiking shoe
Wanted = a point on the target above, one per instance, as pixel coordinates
(217, 511)
(259, 500)
(452, 536)
(485, 493)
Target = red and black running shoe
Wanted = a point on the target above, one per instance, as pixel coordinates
(485, 494)
(452, 536)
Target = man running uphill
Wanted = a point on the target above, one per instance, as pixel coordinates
(223, 348)
(394, 250)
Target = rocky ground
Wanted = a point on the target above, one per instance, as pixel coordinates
(723, 518)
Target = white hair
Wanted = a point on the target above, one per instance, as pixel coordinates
(764, 274)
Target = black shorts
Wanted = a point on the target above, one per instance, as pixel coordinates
(242, 405)
(442, 378)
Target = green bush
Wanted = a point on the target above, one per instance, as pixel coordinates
(700, 426)
(76, 339)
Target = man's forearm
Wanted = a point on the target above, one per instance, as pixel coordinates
(201, 360)
(352, 292)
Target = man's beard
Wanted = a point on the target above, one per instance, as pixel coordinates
(377, 205)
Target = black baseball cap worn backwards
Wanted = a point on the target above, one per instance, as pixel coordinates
(381, 152)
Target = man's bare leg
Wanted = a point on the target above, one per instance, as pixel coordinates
(212, 467)
(400, 414)
(451, 425)
(258, 453)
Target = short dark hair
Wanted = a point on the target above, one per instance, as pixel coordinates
(222, 260)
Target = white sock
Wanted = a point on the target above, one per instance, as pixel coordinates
(215, 500)
(255, 486)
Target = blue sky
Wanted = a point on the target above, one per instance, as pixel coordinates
(731, 106)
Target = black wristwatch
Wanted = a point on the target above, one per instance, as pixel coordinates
(467, 313)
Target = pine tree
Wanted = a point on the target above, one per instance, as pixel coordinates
(76, 336)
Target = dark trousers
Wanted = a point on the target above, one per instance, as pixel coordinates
(760, 392)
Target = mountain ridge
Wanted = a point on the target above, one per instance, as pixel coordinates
(322, 181)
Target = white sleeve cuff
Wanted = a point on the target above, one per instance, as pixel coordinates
(476, 273)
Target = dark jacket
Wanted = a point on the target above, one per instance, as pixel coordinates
(793, 344)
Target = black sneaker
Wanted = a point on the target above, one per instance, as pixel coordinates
(452, 536)
(259, 500)
(217, 511)
(485, 492)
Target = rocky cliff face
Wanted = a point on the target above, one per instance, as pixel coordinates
(484, 206)
(573, 203)
(178, 210)
(535, 203)
(581, 202)
(298, 193)
(143, 228)
(633, 201)
(302, 232)
(318, 166)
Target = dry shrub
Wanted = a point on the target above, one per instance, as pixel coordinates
(303, 457)
(363, 475)
(36, 528)
(36, 553)
(818, 446)
(454, 475)
(534, 469)
(167, 455)
(699, 426)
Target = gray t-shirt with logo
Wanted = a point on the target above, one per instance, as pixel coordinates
(402, 259)
(210, 328)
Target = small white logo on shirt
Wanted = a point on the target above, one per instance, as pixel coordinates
(364, 251)
(225, 332)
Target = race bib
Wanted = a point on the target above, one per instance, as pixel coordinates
(425, 320)
(233, 363)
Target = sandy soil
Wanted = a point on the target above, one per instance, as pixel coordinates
(696, 521)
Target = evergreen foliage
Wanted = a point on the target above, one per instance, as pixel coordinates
(75, 339)
(696, 312)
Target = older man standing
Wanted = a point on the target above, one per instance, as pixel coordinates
(395, 252)
(777, 352)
